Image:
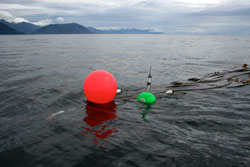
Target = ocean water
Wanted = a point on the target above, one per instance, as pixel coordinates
(45, 119)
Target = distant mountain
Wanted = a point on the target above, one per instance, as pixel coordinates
(71, 28)
(6, 30)
(123, 31)
(22, 27)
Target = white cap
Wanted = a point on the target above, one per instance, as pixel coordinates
(118, 91)
(169, 92)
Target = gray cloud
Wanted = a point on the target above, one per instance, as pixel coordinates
(171, 16)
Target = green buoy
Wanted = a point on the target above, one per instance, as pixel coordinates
(146, 98)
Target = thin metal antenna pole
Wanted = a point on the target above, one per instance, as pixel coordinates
(149, 80)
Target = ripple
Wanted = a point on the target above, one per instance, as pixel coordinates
(42, 75)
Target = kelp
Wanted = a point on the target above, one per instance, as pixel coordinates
(225, 79)
(234, 78)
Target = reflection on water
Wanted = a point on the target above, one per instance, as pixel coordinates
(98, 119)
(146, 109)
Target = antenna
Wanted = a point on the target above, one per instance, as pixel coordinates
(149, 80)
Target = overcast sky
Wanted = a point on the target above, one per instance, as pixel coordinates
(169, 16)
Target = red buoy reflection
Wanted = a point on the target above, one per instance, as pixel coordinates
(97, 119)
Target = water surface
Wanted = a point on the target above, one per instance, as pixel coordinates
(43, 74)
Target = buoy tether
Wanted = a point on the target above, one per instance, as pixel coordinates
(147, 97)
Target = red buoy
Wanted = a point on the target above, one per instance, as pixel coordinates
(100, 87)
